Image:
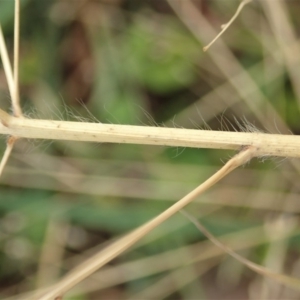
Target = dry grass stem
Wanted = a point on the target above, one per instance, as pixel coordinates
(266, 144)
(6, 64)
(12, 79)
(225, 26)
(246, 88)
(281, 278)
(121, 245)
(244, 239)
(16, 97)
(9, 146)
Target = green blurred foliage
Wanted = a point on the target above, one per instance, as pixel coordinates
(145, 67)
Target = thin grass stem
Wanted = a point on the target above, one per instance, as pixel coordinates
(266, 144)
(9, 146)
(121, 245)
(6, 64)
(281, 278)
(226, 26)
(16, 97)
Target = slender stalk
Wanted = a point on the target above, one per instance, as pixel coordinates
(225, 26)
(281, 278)
(9, 146)
(6, 64)
(16, 98)
(13, 82)
(121, 245)
(247, 89)
(266, 144)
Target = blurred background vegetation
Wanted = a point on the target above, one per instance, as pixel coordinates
(141, 63)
